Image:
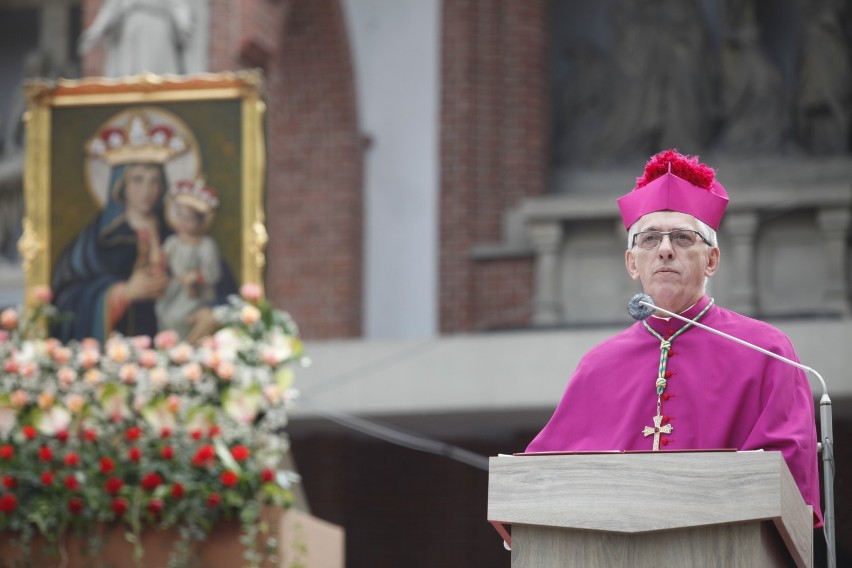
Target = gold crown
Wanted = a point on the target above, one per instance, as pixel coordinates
(139, 142)
(196, 194)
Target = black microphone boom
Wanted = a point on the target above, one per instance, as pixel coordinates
(641, 306)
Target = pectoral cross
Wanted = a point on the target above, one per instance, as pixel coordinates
(657, 430)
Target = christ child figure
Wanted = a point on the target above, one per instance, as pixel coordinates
(193, 257)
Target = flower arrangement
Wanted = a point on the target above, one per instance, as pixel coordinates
(148, 432)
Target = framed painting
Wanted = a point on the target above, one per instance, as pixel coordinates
(143, 198)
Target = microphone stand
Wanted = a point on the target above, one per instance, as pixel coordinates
(826, 445)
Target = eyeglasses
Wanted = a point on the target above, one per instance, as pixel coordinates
(681, 238)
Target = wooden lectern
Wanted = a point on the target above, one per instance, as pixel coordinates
(650, 510)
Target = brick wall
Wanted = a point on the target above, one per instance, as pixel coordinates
(246, 33)
(314, 205)
(493, 153)
(93, 62)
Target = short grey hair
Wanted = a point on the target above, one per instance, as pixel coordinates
(706, 231)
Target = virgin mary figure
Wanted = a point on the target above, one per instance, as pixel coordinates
(111, 273)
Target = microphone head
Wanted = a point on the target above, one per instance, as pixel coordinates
(638, 311)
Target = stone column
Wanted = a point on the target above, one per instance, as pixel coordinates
(546, 238)
(53, 38)
(833, 225)
(740, 260)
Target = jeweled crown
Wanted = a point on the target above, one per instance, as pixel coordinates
(140, 142)
(196, 194)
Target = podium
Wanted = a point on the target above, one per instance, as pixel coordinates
(650, 510)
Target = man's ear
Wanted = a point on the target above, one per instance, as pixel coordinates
(712, 262)
(630, 263)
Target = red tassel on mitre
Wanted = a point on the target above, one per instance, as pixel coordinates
(675, 182)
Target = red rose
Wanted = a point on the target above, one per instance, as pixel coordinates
(203, 456)
(90, 435)
(7, 452)
(75, 505)
(47, 478)
(167, 453)
(72, 483)
(240, 453)
(29, 432)
(165, 433)
(155, 506)
(113, 485)
(195, 434)
(228, 478)
(72, 459)
(8, 504)
(133, 433)
(62, 436)
(267, 475)
(135, 454)
(45, 454)
(119, 506)
(177, 490)
(9, 482)
(213, 500)
(107, 465)
(214, 431)
(151, 481)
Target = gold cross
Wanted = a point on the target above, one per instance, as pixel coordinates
(657, 430)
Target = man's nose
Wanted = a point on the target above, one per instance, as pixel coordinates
(666, 250)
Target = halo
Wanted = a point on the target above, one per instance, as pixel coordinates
(184, 166)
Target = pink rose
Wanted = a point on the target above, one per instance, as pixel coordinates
(226, 370)
(66, 376)
(166, 339)
(88, 357)
(62, 355)
(148, 358)
(249, 315)
(141, 342)
(251, 292)
(128, 373)
(43, 294)
(9, 318)
(20, 398)
(192, 372)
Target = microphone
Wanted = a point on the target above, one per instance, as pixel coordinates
(641, 306)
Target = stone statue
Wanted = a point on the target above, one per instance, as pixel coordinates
(650, 84)
(824, 89)
(756, 110)
(666, 77)
(155, 36)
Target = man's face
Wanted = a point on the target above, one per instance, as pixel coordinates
(673, 276)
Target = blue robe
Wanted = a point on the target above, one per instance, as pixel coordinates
(102, 255)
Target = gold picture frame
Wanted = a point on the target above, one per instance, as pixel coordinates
(218, 120)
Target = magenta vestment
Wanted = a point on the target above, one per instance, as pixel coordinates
(720, 395)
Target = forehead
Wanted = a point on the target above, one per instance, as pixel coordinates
(142, 169)
(667, 220)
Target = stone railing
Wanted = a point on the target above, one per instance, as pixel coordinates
(784, 241)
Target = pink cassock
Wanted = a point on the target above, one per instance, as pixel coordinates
(721, 395)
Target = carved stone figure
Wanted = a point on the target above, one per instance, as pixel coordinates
(155, 36)
(650, 84)
(756, 110)
(825, 80)
(667, 75)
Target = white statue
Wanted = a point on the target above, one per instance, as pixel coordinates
(155, 36)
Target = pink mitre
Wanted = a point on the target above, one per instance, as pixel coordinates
(674, 182)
